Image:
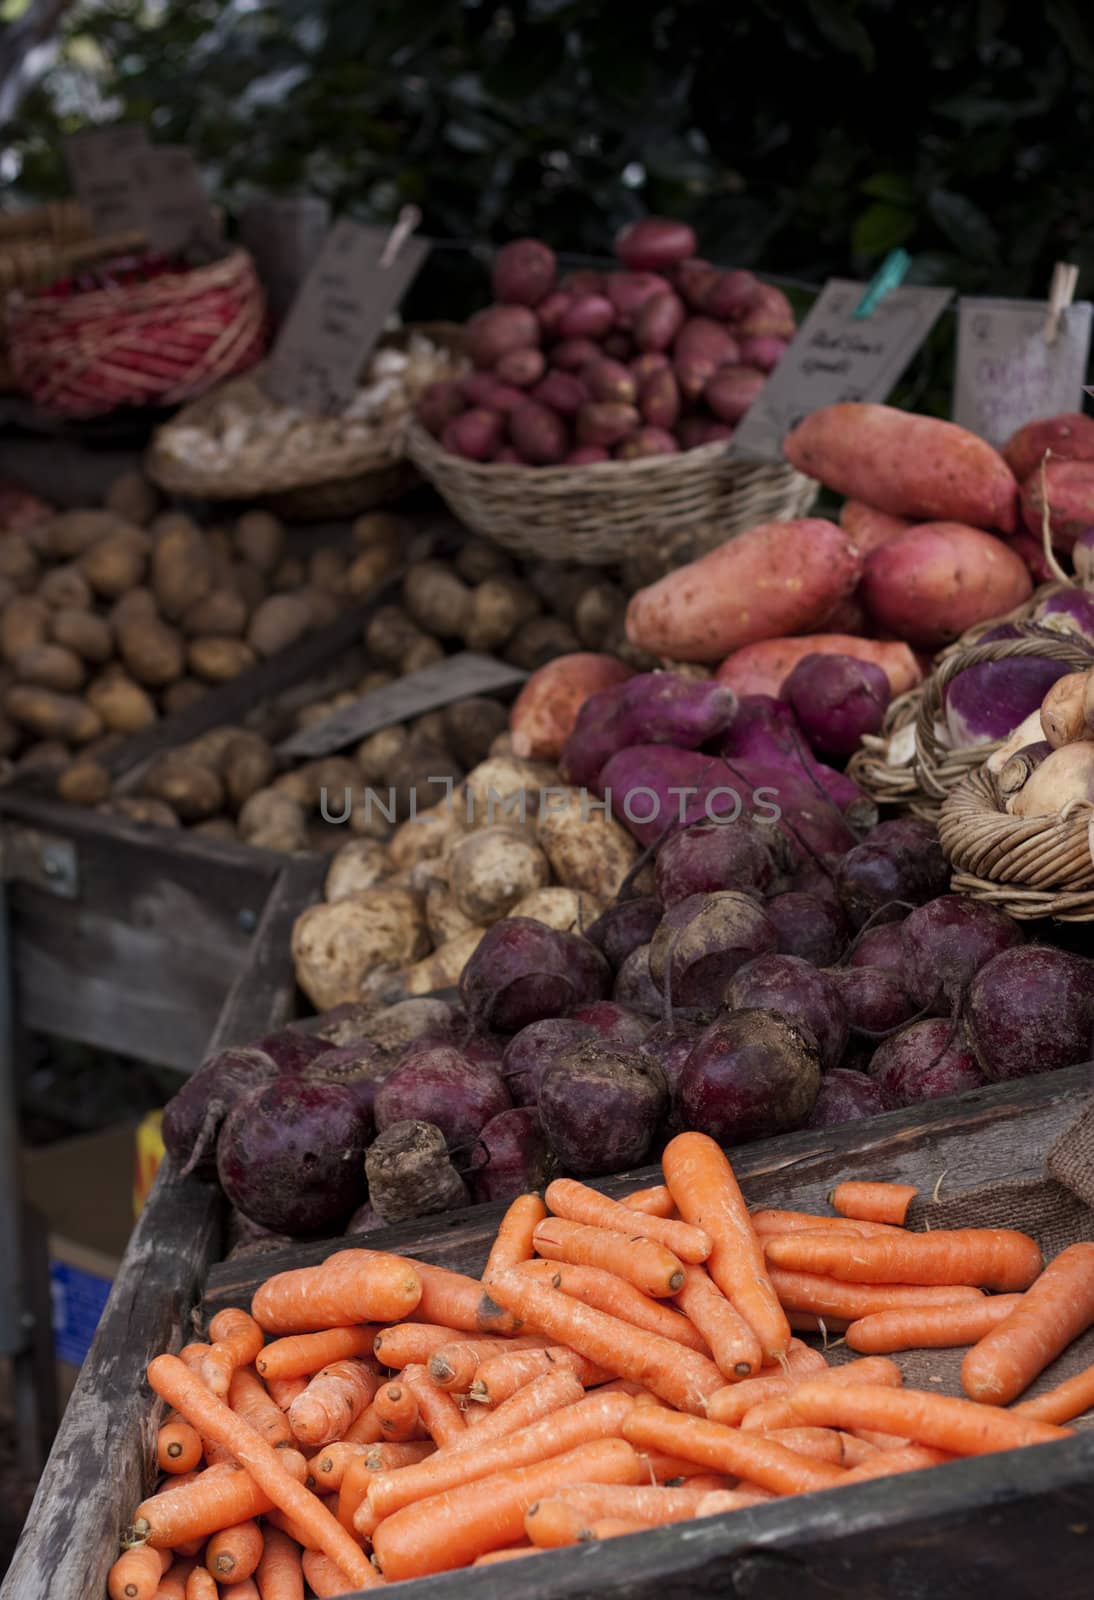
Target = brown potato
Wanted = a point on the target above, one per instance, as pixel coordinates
(422, 653)
(598, 616)
(10, 737)
(322, 606)
(429, 729)
(52, 715)
(50, 755)
(122, 704)
(209, 748)
(84, 783)
(73, 532)
(273, 821)
(389, 634)
(278, 623)
(139, 605)
(217, 828)
(379, 678)
(182, 569)
(24, 625)
(221, 613)
(65, 587)
(477, 559)
(51, 666)
(218, 660)
(152, 651)
(469, 727)
(418, 778)
(18, 562)
(499, 606)
(358, 864)
(132, 496)
(143, 810)
(376, 755)
(540, 641)
(182, 695)
(191, 790)
(367, 571)
(247, 765)
(381, 528)
(260, 539)
(116, 564)
(327, 570)
(84, 632)
(437, 600)
(250, 583)
(288, 574)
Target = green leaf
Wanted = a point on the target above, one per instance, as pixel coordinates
(880, 228)
(964, 224)
(894, 187)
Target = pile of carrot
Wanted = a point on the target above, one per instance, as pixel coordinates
(618, 1366)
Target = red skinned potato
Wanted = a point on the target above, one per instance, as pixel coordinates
(438, 403)
(588, 316)
(521, 368)
(700, 348)
(648, 363)
(539, 435)
(587, 455)
(503, 397)
(939, 578)
(629, 291)
(492, 333)
(731, 390)
(731, 296)
(654, 243)
(870, 528)
(563, 392)
(770, 316)
(586, 280)
(778, 578)
(764, 352)
(606, 422)
(476, 434)
(574, 354)
(693, 280)
(544, 713)
(524, 272)
(762, 668)
(618, 346)
(610, 380)
(478, 388)
(908, 465)
(696, 431)
(659, 321)
(659, 399)
(1070, 488)
(1069, 436)
(647, 442)
(549, 312)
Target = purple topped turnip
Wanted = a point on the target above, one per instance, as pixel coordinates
(522, 971)
(794, 989)
(750, 1075)
(1031, 1009)
(988, 701)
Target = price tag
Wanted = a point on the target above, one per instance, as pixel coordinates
(446, 681)
(359, 277)
(172, 197)
(836, 356)
(100, 164)
(1008, 373)
(284, 236)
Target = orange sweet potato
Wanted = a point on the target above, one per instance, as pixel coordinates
(1069, 436)
(907, 465)
(762, 668)
(940, 578)
(869, 527)
(1070, 486)
(544, 713)
(778, 578)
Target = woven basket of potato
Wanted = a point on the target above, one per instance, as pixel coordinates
(597, 513)
(236, 443)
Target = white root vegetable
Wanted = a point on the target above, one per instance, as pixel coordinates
(490, 870)
(1062, 718)
(336, 947)
(356, 865)
(1064, 778)
(568, 910)
(587, 850)
(1027, 732)
(442, 969)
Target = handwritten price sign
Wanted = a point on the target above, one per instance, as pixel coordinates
(1008, 373)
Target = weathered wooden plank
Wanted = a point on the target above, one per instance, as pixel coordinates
(263, 996)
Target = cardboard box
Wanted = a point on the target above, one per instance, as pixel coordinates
(84, 1190)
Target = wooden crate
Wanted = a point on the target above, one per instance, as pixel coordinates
(994, 1526)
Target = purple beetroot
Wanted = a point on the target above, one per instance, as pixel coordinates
(946, 941)
(1030, 1009)
(522, 971)
(847, 1096)
(700, 943)
(796, 990)
(600, 1107)
(442, 1087)
(511, 1156)
(926, 1061)
(751, 1074)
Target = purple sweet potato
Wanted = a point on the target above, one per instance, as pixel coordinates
(700, 943)
(653, 243)
(650, 708)
(492, 333)
(767, 731)
(837, 699)
(524, 272)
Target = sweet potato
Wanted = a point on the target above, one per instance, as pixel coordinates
(1069, 436)
(1070, 488)
(762, 668)
(544, 713)
(869, 527)
(907, 465)
(779, 578)
(939, 578)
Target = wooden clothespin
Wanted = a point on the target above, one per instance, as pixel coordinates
(405, 224)
(1065, 278)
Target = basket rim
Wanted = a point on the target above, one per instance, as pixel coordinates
(127, 298)
(974, 802)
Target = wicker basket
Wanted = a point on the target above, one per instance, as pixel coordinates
(1029, 867)
(596, 514)
(155, 343)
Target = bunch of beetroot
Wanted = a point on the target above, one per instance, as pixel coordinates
(663, 354)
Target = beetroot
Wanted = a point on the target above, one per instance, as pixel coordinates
(837, 699)
(364, 1220)
(880, 946)
(875, 1000)
(291, 1156)
(898, 860)
(650, 708)
(946, 941)
(511, 1156)
(750, 1075)
(442, 1087)
(614, 1023)
(192, 1119)
(624, 926)
(531, 1051)
(709, 855)
(359, 1067)
(600, 1106)
(808, 926)
(634, 988)
(1030, 1009)
(795, 990)
(847, 1096)
(701, 941)
(925, 1061)
(410, 1173)
(670, 1044)
(290, 1050)
(521, 971)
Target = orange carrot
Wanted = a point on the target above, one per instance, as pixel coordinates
(174, 1580)
(233, 1554)
(778, 1412)
(327, 1467)
(553, 1523)
(643, 1262)
(510, 1553)
(830, 1298)
(250, 1399)
(334, 1398)
(1057, 1309)
(564, 1430)
(885, 1463)
(513, 1241)
(677, 1375)
(136, 1574)
(194, 1354)
(802, 1358)
(611, 1528)
(280, 1575)
(719, 1501)
(578, 1203)
(643, 1503)
(534, 1400)
(730, 1404)
(760, 1461)
(439, 1413)
(303, 1354)
(413, 1341)
(178, 1448)
(171, 1380)
(769, 1223)
(873, 1202)
(396, 1410)
(390, 1457)
(283, 1391)
(349, 1287)
(301, 1536)
(992, 1258)
(930, 1327)
(1068, 1399)
(664, 1469)
(502, 1377)
(217, 1498)
(604, 1291)
(807, 1322)
(201, 1585)
(365, 1429)
(246, 1590)
(236, 1341)
(734, 1346)
(458, 1302)
(327, 1579)
(707, 1194)
(963, 1426)
(454, 1365)
(450, 1530)
(856, 1451)
(653, 1202)
(819, 1444)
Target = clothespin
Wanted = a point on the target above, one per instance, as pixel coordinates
(405, 224)
(890, 275)
(1065, 277)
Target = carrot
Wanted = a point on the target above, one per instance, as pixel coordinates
(233, 1554)
(352, 1490)
(778, 1411)
(334, 1398)
(554, 1523)
(513, 1241)
(578, 1203)
(1057, 1309)
(873, 1202)
(283, 1391)
(681, 1377)
(396, 1411)
(456, 1301)
(994, 1258)
(801, 1358)
(930, 1327)
(819, 1444)
(237, 1340)
(136, 1574)
(856, 1451)
(365, 1429)
(194, 1354)
(412, 1341)
(178, 1448)
(734, 1346)
(250, 1399)
(608, 1293)
(502, 1377)
(453, 1366)
(450, 1530)
(886, 1463)
(653, 1202)
(707, 1194)
(719, 1501)
(174, 1383)
(298, 1535)
(547, 1393)
(439, 1413)
(730, 1404)
(349, 1287)
(389, 1457)
(327, 1467)
(1069, 1399)
(247, 1590)
(760, 1461)
(834, 1298)
(509, 1553)
(217, 1498)
(302, 1354)
(635, 1502)
(326, 1578)
(806, 1322)
(201, 1585)
(174, 1580)
(661, 1468)
(611, 1528)
(769, 1224)
(280, 1574)
(643, 1262)
(963, 1426)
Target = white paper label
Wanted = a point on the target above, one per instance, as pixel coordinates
(1007, 372)
(284, 235)
(100, 164)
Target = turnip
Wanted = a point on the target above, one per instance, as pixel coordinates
(946, 941)
(1030, 1009)
(521, 971)
(600, 1106)
(529, 1053)
(614, 1023)
(808, 926)
(510, 1156)
(410, 1173)
(701, 941)
(193, 1118)
(440, 1086)
(837, 699)
(925, 1061)
(847, 1096)
(634, 988)
(797, 991)
(751, 1074)
(624, 926)
(898, 860)
(875, 1001)
(989, 701)
(710, 855)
